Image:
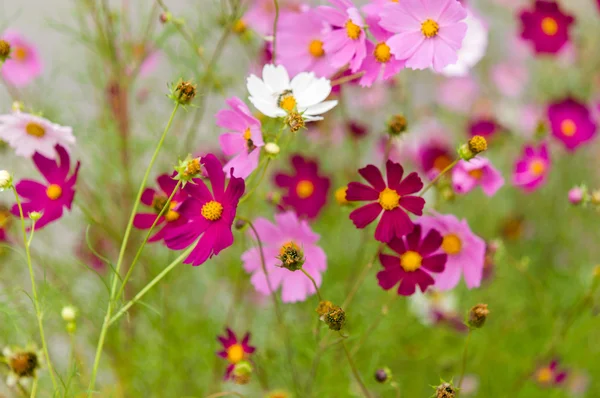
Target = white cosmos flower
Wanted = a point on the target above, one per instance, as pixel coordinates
(275, 95)
(472, 49)
(425, 305)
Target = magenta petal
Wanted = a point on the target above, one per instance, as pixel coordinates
(413, 240)
(222, 354)
(394, 174)
(411, 184)
(397, 245)
(144, 220)
(29, 189)
(181, 237)
(435, 263)
(359, 192)
(51, 214)
(389, 261)
(433, 240)
(214, 169)
(373, 177)
(389, 278)
(49, 168)
(204, 248)
(423, 279)
(385, 230)
(148, 196)
(166, 183)
(408, 285)
(198, 190)
(365, 215)
(401, 223)
(414, 204)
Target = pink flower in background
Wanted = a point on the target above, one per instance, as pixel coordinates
(24, 63)
(531, 169)
(210, 215)
(485, 127)
(28, 134)
(346, 42)
(49, 198)
(510, 78)
(234, 350)
(244, 140)
(430, 148)
(571, 123)
(546, 27)
(465, 251)
(261, 14)
(288, 229)
(576, 195)
(458, 94)
(550, 375)
(428, 33)
(157, 199)
(476, 172)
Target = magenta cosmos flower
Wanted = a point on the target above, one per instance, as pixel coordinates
(416, 262)
(288, 231)
(476, 172)
(571, 123)
(24, 63)
(464, 249)
(485, 127)
(346, 42)
(210, 214)
(48, 198)
(550, 374)
(234, 350)
(393, 199)
(546, 26)
(244, 140)
(306, 190)
(531, 170)
(157, 199)
(428, 33)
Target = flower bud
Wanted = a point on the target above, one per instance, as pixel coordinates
(71, 327)
(240, 224)
(35, 215)
(23, 363)
(188, 169)
(383, 375)
(397, 125)
(239, 27)
(595, 197)
(68, 313)
(336, 318)
(4, 50)
(324, 307)
(291, 256)
(183, 92)
(475, 146)
(477, 316)
(5, 180)
(576, 195)
(294, 121)
(17, 106)
(165, 17)
(242, 372)
(445, 390)
(272, 148)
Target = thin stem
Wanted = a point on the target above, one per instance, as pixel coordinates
(432, 183)
(361, 278)
(464, 362)
(346, 79)
(276, 3)
(36, 303)
(396, 387)
(375, 325)
(260, 179)
(313, 282)
(355, 371)
(115, 280)
(34, 387)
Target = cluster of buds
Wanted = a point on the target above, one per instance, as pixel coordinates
(582, 196)
(291, 256)
(397, 125)
(4, 51)
(183, 92)
(472, 148)
(6, 181)
(477, 316)
(188, 169)
(242, 372)
(69, 315)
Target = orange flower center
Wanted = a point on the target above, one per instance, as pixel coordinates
(382, 53)
(389, 199)
(568, 127)
(315, 48)
(441, 162)
(430, 28)
(549, 26)
(411, 261)
(212, 210)
(247, 134)
(172, 215)
(54, 191)
(235, 353)
(304, 189)
(352, 30)
(476, 174)
(544, 375)
(19, 54)
(35, 130)
(451, 244)
(239, 26)
(537, 167)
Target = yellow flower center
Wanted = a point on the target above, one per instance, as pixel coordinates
(549, 26)
(315, 48)
(304, 189)
(544, 375)
(476, 174)
(235, 353)
(247, 134)
(172, 215)
(35, 130)
(4, 218)
(19, 54)
(340, 195)
(212, 210)
(239, 26)
(352, 30)
(441, 162)
(537, 167)
(451, 244)
(411, 261)
(287, 102)
(382, 53)
(54, 191)
(389, 199)
(430, 28)
(287, 247)
(568, 127)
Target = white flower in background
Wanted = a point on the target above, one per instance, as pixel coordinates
(276, 96)
(472, 49)
(428, 306)
(5, 180)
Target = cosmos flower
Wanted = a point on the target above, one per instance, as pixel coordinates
(275, 95)
(48, 199)
(473, 47)
(234, 350)
(244, 140)
(458, 93)
(428, 33)
(571, 123)
(393, 199)
(485, 127)
(346, 41)
(287, 230)
(550, 374)
(23, 364)
(478, 171)
(430, 148)
(510, 78)
(24, 64)
(546, 27)
(464, 249)
(307, 190)
(261, 15)
(210, 214)
(531, 170)
(415, 263)
(28, 134)
(157, 200)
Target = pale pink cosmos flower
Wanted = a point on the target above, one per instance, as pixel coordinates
(458, 93)
(295, 286)
(24, 63)
(261, 14)
(428, 33)
(531, 170)
(510, 78)
(476, 172)
(244, 140)
(28, 134)
(465, 250)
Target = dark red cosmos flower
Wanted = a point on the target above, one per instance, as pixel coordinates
(234, 351)
(306, 190)
(393, 199)
(546, 26)
(415, 263)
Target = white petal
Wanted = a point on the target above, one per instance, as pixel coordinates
(316, 92)
(276, 78)
(319, 109)
(267, 108)
(301, 82)
(258, 89)
(308, 118)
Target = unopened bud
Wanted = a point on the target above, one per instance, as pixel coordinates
(187, 170)
(477, 316)
(397, 125)
(68, 313)
(324, 307)
(71, 327)
(336, 318)
(4, 50)
(239, 27)
(5, 180)
(272, 148)
(165, 17)
(242, 372)
(576, 195)
(17, 106)
(445, 390)
(35, 215)
(595, 197)
(383, 375)
(184, 92)
(240, 224)
(475, 146)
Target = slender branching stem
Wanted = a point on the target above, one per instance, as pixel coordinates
(355, 371)
(313, 282)
(464, 361)
(435, 180)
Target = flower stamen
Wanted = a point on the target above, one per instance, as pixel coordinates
(411, 261)
(549, 26)
(315, 48)
(568, 127)
(212, 210)
(389, 199)
(305, 189)
(352, 30)
(35, 130)
(382, 53)
(54, 191)
(452, 244)
(430, 28)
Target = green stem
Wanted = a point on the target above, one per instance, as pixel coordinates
(276, 3)
(261, 178)
(355, 371)
(313, 282)
(115, 280)
(36, 303)
(432, 183)
(464, 362)
(374, 325)
(34, 388)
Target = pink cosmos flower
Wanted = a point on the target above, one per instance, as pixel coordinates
(346, 42)
(244, 140)
(458, 94)
(576, 195)
(531, 170)
(210, 215)
(510, 78)
(295, 286)
(28, 134)
(415, 264)
(49, 198)
(485, 127)
(546, 27)
(464, 249)
(234, 350)
(24, 63)
(430, 148)
(550, 375)
(393, 199)
(571, 123)
(478, 171)
(157, 199)
(307, 190)
(261, 15)
(429, 33)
